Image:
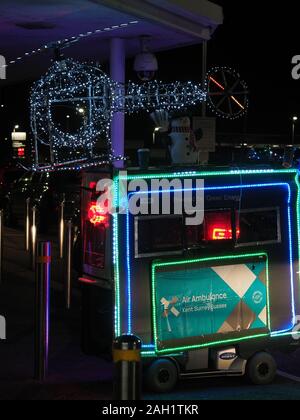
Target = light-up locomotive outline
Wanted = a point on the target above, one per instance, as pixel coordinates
(70, 83)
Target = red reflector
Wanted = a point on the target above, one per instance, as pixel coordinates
(86, 281)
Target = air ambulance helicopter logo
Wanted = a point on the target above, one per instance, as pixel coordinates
(169, 307)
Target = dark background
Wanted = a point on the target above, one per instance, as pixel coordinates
(258, 39)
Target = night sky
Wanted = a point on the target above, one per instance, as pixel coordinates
(258, 41)
(260, 38)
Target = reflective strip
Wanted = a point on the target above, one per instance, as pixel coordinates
(127, 356)
(43, 260)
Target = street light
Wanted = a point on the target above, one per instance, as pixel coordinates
(294, 119)
(289, 150)
(16, 127)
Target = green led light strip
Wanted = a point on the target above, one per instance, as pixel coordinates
(298, 222)
(204, 260)
(148, 353)
(207, 174)
(117, 309)
(214, 343)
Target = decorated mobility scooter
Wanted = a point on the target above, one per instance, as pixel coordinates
(206, 300)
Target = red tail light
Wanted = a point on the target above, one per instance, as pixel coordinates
(92, 185)
(21, 152)
(98, 215)
(218, 226)
(223, 234)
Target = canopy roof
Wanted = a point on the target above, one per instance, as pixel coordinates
(26, 25)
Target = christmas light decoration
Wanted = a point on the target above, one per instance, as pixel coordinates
(68, 160)
(81, 86)
(69, 83)
(227, 93)
(287, 330)
(96, 98)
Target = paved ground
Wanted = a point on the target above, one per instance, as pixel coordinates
(72, 375)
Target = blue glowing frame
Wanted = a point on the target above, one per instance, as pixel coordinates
(149, 348)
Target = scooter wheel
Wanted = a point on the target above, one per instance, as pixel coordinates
(261, 369)
(161, 376)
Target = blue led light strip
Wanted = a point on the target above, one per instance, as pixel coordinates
(229, 187)
(209, 174)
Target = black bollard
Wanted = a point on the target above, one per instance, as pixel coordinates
(68, 262)
(27, 226)
(42, 308)
(1, 244)
(128, 368)
(33, 233)
(62, 227)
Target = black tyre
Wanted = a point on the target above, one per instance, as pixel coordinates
(261, 369)
(161, 376)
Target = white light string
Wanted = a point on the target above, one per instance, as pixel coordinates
(61, 43)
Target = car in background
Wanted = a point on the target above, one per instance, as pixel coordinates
(46, 191)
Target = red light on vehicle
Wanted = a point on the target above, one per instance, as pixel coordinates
(218, 226)
(97, 215)
(219, 234)
(93, 185)
(223, 234)
(21, 152)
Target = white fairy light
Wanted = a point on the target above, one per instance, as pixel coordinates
(72, 38)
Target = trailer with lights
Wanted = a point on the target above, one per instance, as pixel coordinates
(207, 300)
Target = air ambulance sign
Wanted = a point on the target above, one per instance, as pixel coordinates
(201, 301)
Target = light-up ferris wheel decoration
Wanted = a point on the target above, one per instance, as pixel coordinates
(89, 90)
(227, 94)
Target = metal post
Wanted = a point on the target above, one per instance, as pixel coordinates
(117, 73)
(68, 277)
(62, 228)
(27, 225)
(42, 310)
(33, 238)
(1, 244)
(127, 359)
(204, 71)
(293, 133)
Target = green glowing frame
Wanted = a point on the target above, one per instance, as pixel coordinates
(205, 260)
(192, 174)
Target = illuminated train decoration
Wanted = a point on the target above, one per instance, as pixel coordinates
(84, 95)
